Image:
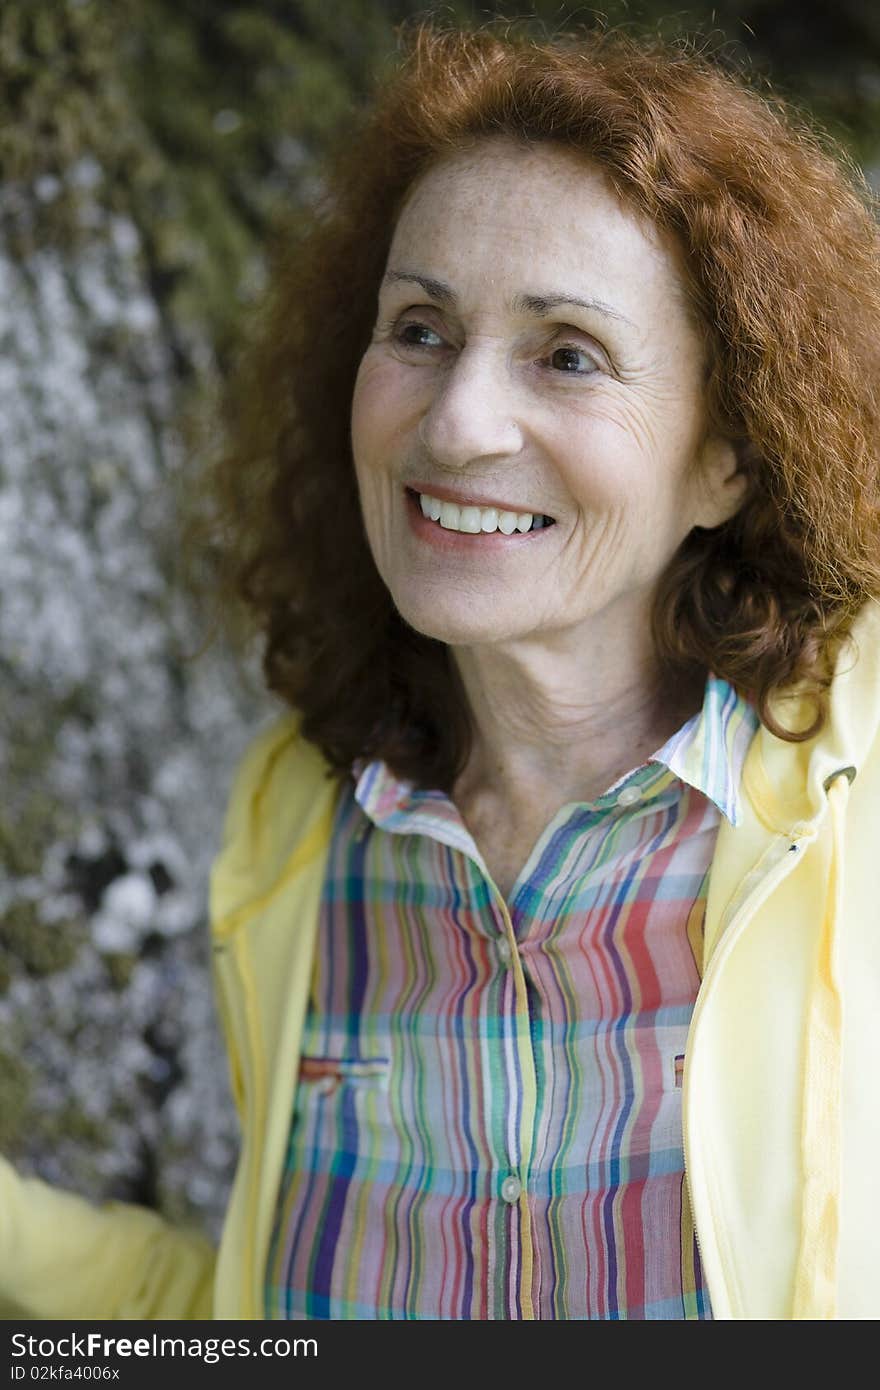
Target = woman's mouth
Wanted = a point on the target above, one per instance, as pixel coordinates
(476, 520)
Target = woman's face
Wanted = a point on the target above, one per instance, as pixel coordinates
(533, 353)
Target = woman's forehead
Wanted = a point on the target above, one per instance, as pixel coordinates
(498, 171)
(530, 213)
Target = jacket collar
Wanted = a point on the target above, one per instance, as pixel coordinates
(786, 782)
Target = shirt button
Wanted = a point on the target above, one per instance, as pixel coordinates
(629, 796)
(504, 950)
(511, 1189)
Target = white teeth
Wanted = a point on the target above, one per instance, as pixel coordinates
(473, 520)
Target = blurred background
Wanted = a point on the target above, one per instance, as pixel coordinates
(150, 151)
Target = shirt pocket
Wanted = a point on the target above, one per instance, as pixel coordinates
(326, 1075)
(341, 1106)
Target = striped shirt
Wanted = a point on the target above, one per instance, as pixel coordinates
(487, 1120)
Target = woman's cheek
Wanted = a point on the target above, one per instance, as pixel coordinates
(363, 406)
(378, 403)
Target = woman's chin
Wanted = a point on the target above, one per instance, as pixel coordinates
(459, 625)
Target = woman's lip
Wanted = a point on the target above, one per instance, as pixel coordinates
(445, 494)
(464, 541)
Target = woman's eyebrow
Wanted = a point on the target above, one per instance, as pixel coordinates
(543, 303)
(434, 289)
(522, 303)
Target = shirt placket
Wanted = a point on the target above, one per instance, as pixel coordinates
(517, 1098)
(512, 1177)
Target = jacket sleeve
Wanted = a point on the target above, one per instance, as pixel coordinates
(64, 1257)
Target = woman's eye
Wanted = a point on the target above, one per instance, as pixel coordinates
(417, 335)
(574, 360)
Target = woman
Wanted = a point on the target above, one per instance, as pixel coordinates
(544, 923)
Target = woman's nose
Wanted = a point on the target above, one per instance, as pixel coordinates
(474, 414)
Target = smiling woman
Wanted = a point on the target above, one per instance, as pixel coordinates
(544, 912)
(487, 385)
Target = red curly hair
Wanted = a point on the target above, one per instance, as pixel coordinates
(780, 246)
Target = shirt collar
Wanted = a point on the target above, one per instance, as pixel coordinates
(707, 752)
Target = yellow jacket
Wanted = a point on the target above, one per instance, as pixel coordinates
(780, 1105)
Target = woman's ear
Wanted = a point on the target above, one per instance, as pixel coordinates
(725, 478)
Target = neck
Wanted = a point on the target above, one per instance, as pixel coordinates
(549, 730)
